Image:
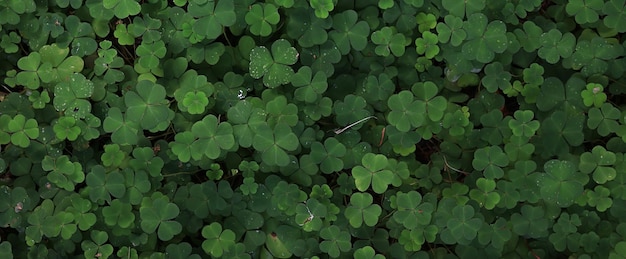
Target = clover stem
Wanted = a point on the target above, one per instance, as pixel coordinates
(453, 169)
(339, 131)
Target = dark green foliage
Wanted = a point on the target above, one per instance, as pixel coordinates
(312, 129)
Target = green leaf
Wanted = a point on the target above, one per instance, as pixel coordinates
(405, 111)
(490, 160)
(125, 132)
(261, 18)
(273, 144)
(217, 241)
(22, 130)
(348, 33)
(213, 16)
(147, 105)
(159, 214)
(600, 162)
(485, 195)
(523, 125)
(604, 119)
(451, 31)
(584, 10)
(615, 11)
(122, 8)
(361, 210)
(427, 45)
(372, 173)
(462, 8)
(496, 78)
(328, 155)
(322, 7)
(310, 88)
(562, 183)
(280, 111)
(211, 138)
(335, 241)
(593, 95)
(463, 225)
(484, 39)
(66, 128)
(273, 66)
(113, 156)
(555, 45)
(71, 97)
(389, 42)
(412, 212)
(119, 214)
(102, 185)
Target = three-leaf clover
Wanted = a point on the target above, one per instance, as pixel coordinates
(71, 97)
(361, 210)
(275, 143)
(462, 226)
(328, 155)
(124, 130)
(523, 125)
(310, 87)
(586, 11)
(322, 7)
(159, 213)
(556, 45)
(213, 16)
(147, 105)
(389, 42)
(463, 8)
(123, 8)
(261, 18)
(273, 66)
(22, 130)
(451, 30)
(484, 39)
(600, 162)
(102, 185)
(218, 240)
(211, 138)
(372, 172)
(604, 119)
(490, 160)
(66, 128)
(348, 33)
(561, 184)
(427, 45)
(594, 95)
(405, 111)
(412, 211)
(335, 241)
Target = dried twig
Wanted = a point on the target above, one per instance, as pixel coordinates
(341, 130)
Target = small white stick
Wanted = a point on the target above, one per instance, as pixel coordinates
(339, 131)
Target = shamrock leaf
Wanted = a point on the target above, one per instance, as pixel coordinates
(428, 101)
(600, 162)
(97, 246)
(593, 95)
(591, 56)
(65, 128)
(125, 131)
(561, 184)
(279, 111)
(119, 214)
(261, 18)
(307, 28)
(63, 172)
(462, 8)
(212, 138)
(245, 119)
(22, 130)
(496, 78)
(604, 119)
(485, 194)
(523, 125)
(274, 66)
(146, 27)
(615, 11)
(351, 109)
(102, 185)
(159, 213)
(335, 241)
(79, 34)
(559, 132)
(70, 97)
(273, 144)
(483, 40)
(147, 105)
(555, 45)
(362, 210)
(150, 53)
(462, 225)
(405, 111)
(427, 45)
(122, 8)
(389, 41)
(412, 212)
(217, 240)
(213, 16)
(322, 7)
(328, 155)
(310, 88)
(372, 172)
(348, 33)
(584, 10)
(451, 30)
(490, 160)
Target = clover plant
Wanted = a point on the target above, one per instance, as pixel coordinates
(312, 129)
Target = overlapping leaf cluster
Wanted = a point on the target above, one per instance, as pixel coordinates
(309, 129)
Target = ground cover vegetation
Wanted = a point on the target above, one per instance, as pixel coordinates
(312, 129)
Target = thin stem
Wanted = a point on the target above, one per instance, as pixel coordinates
(339, 131)
(453, 169)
